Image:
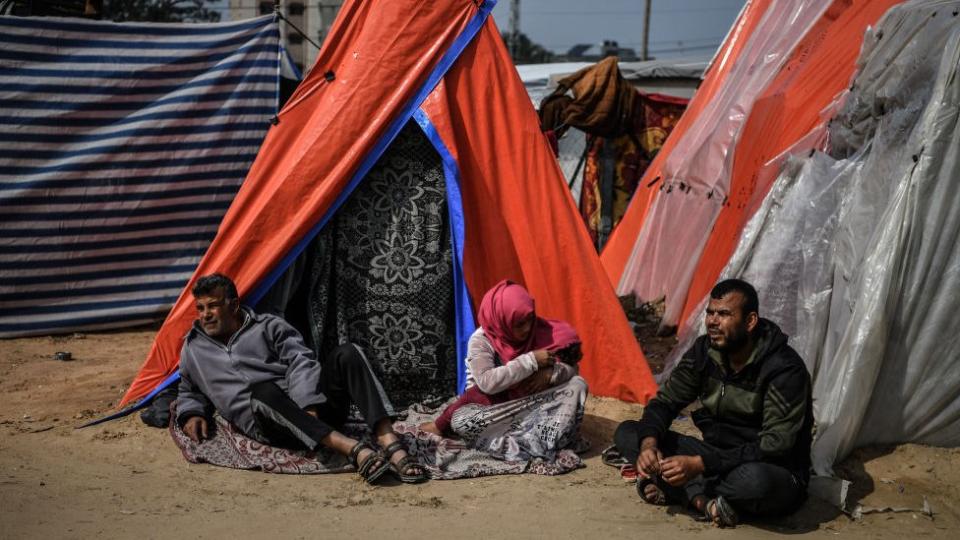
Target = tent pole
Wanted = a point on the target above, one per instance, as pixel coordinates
(645, 52)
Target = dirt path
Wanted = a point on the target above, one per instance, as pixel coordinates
(125, 480)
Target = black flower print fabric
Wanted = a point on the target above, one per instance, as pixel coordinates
(381, 274)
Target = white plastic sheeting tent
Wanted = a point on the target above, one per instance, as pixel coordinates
(855, 251)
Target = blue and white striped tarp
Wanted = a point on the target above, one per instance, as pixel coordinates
(121, 147)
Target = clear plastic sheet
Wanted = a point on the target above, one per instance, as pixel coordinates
(674, 235)
(572, 161)
(855, 254)
(886, 365)
(785, 250)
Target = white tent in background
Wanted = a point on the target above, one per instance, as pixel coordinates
(855, 248)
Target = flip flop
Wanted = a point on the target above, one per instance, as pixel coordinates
(628, 473)
(658, 498)
(611, 456)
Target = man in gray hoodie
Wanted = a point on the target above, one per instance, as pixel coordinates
(255, 370)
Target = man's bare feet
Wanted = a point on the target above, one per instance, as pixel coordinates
(721, 512)
(649, 491)
(717, 511)
(652, 494)
(699, 503)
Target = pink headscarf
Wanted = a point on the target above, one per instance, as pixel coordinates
(504, 305)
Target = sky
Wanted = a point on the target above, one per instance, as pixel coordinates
(678, 28)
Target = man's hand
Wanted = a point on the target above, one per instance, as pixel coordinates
(650, 457)
(544, 358)
(196, 429)
(678, 470)
(311, 410)
(537, 382)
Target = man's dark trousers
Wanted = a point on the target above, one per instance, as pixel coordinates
(346, 377)
(756, 488)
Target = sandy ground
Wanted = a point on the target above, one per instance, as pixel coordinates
(127, 480)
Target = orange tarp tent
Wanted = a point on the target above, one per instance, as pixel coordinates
(443, 65)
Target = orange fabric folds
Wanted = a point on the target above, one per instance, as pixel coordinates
(819, 69)
(521, 222)
(781, 66)
(617, 251)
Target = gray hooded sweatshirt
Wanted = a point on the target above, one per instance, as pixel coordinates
(265, 348)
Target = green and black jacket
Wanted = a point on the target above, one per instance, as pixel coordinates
(763, 413)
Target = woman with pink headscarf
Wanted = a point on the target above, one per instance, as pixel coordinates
(524, 398)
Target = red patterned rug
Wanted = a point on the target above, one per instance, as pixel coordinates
(444, 459)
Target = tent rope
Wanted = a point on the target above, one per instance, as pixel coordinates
(279, 15)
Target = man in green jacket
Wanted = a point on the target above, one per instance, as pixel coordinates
(756, 417)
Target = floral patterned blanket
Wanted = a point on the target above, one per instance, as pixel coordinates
(444, 459)
(380, 274)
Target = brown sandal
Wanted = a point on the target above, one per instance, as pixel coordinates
(373, 467)
(720, 512)
(406, 463)
(655, 496)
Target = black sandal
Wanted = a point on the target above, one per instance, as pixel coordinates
(406, 463)
(725, 515)
(373, 467)
(611, 456)
(658, 498)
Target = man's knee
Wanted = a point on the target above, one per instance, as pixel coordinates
(762, 489)
(750, 480)
(266, 392)
(627, 437)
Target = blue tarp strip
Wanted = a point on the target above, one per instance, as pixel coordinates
(464, 311)
(171, 379)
